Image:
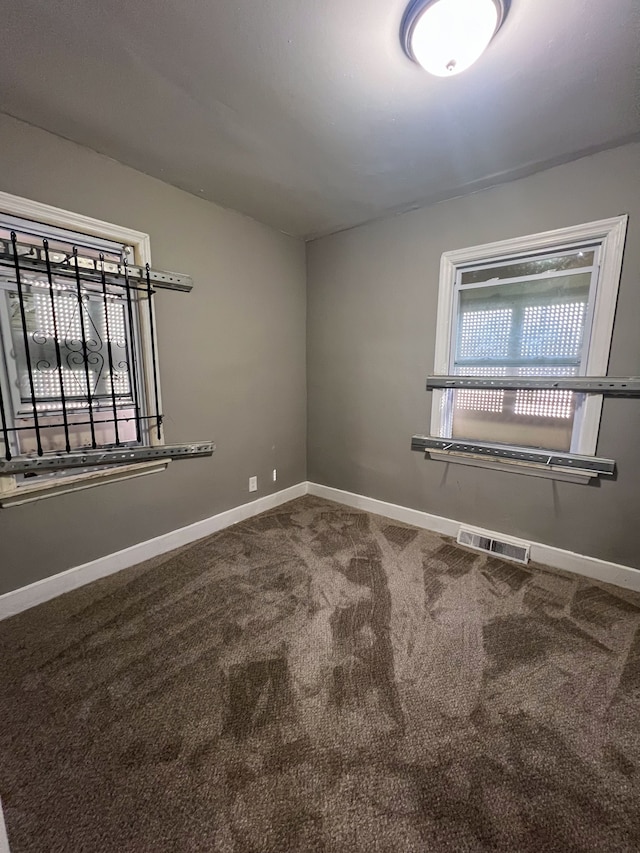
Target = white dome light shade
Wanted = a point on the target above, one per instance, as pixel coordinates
(448, 36)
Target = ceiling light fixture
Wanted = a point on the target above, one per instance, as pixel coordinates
(445, 37)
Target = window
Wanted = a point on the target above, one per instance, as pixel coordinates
(532, 307)
(79, 383)
(67, 348)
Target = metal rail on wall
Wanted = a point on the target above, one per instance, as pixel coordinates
(549, 458)
(106, 456)
(608, 386)
(42, 259)
(90, 377)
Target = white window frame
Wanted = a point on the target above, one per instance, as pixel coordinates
(12, 494)
(610, 233)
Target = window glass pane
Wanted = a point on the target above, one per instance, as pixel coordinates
(536, 424)
(530, 266)
(542, 419)
(523, 323)
(52, 433)
(479, 399)
(529, 328)
(42, 320)
(484, 333)
(546, 403)
(69, 318)
(553, 331)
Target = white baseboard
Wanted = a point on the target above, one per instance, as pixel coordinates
(36, 593)
(4, 841)
(557, 558)
(44, 590)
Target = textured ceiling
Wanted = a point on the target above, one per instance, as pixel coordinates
(306, 114)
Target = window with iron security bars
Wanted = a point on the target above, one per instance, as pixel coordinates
(79, 385)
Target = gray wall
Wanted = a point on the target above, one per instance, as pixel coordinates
(232, 358)
(372, 296)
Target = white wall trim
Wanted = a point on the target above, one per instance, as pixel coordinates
(36, 593)
(4, 841)
(44, 590)
(56, 216)
(557, 558)
(616, 226)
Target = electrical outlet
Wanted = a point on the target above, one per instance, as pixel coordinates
(275, 475)
(253, 484)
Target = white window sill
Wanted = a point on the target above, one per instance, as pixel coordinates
(30, 492)
(513, 466)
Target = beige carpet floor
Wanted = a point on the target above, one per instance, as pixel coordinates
(321, 679)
